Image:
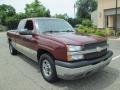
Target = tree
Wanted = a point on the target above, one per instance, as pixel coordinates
(61, 16)
(85, 8)
(36, 9)
(10, 18)
(5, 11)
(74, 21)
(12, 21)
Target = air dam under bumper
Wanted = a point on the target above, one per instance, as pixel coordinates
(75, 70)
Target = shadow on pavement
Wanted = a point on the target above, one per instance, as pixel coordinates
(97, 81)
(29, 61)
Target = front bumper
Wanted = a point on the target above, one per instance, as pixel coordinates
(75, 70)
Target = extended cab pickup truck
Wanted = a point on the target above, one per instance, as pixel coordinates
(60, 51)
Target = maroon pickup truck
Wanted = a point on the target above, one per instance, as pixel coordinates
(60, 51)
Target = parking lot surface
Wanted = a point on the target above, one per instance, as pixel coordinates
(21, 73)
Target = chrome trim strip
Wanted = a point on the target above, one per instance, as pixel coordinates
(87, 51)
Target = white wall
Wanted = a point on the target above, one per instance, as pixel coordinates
(94, 18)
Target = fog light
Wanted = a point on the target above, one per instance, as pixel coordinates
(75, 57)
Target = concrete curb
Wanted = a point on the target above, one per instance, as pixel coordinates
(115, 39)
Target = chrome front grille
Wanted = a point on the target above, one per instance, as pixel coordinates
(96, 54)
(90, 56)
(94, 45)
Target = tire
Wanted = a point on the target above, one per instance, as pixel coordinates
(13, 51)
(47, 67)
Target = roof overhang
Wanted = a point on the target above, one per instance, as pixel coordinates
(111, 11)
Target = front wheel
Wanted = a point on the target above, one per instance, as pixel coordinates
(13, 51)
(47, 68)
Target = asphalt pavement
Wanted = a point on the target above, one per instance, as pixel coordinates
(21, 73)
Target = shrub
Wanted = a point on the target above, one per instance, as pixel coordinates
(118, 33)
(90, 30)
(80, 30)
(112, 32)
(87, 23)
(100, 33)
(86, 29)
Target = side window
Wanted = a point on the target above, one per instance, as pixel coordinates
(29, 25)
(21, 25)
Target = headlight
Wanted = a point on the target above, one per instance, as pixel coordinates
(73, 48)
(73, 53)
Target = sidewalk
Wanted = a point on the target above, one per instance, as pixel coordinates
(114, 39)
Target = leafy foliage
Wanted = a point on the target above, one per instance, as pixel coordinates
(118, 33)
(87, 23)
(36, 9)
(90, 30)
(74, 21)
(85, 7)
(5, 11)
(13, 21)
(61, 16)
(10, 18)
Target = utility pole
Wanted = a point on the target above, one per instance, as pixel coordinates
(74, 10)
(116, 16)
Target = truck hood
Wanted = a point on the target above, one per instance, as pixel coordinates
(73, 38)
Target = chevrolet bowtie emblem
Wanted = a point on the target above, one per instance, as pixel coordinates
(98, 49)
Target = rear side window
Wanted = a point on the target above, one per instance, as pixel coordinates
(21, 25)
(29, 25)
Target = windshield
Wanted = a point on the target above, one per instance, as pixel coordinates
(54, 25)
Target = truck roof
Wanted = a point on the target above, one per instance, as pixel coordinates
(41, 18)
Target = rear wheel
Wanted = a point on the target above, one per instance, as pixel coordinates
(47, 68)
(13, 51)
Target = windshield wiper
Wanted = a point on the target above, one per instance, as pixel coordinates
(68, 31)
(51, 31)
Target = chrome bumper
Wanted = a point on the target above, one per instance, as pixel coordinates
(75, 73)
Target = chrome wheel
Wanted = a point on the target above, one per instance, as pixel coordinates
(46, 68)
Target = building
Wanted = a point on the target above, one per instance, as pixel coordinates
(94, 18)
(106, 14)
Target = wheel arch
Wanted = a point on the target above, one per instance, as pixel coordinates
(42, 51)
